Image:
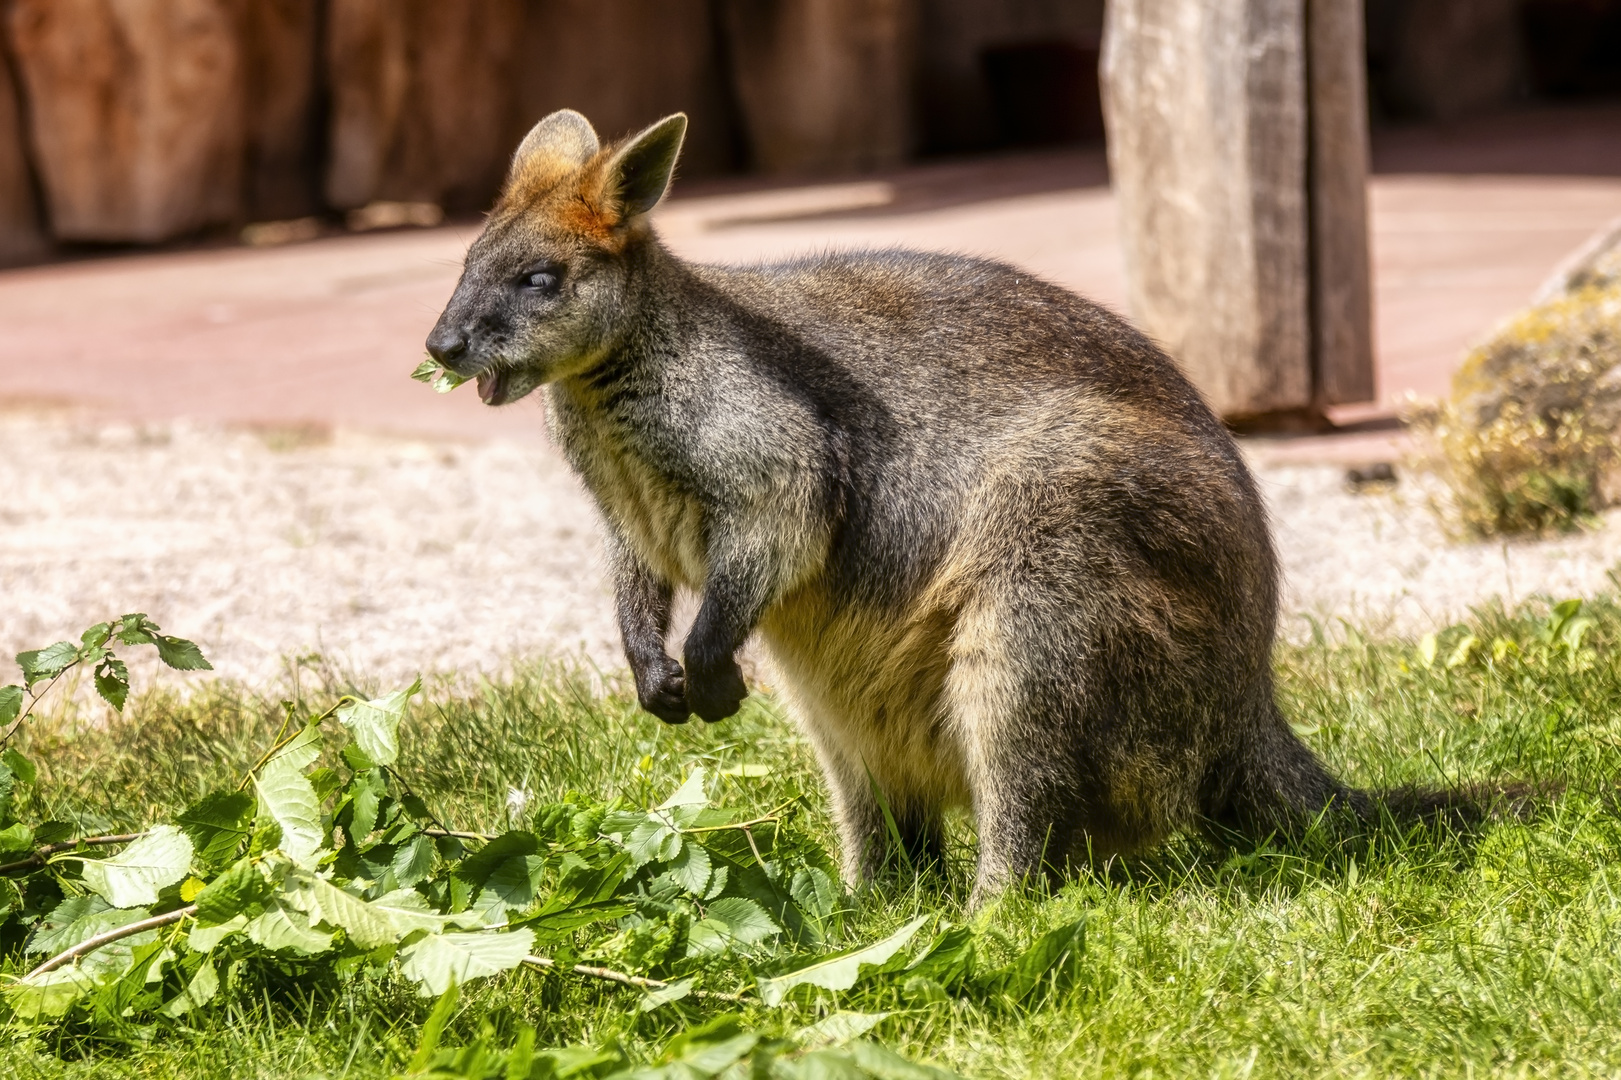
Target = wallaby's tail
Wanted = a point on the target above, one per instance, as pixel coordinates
(1280, 788)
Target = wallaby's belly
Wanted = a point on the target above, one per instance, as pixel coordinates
(869, 689)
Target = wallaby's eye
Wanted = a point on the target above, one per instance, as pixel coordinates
(543, 280)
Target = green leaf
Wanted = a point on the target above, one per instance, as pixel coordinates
(233, 893)
(664, 995)
(112, 682)
(354, 757)
(217, 824)
(839, 972)
(287, 798)
(407, 911)
(477, 867)
(78, 919)
(814, 892)
(585, 895)
(948, 959)
(413, 862)
(137, 874)
(301, 750)
(730, 921)
(11, 703)
(135, 629)
(20, 767)
(75, 921)
(693, 792)
(1054, 959)
(325, 782)
(281, 927)
(180, 654)
(839, 1028)
(746, 922)
(198, 992)
(516, 882)
(15, 840)
(126, 991)
(366, 792)
(653, 841)
(442, 379)
(325, 903)
(375, 724)
(204, 939)
(883, 1064)
(49, 995)
(712, 1047)
(691, 869)
(41, 664)
(438, 960)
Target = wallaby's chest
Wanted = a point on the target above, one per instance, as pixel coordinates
(653, 511)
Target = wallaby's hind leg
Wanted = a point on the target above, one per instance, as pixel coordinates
(1049, 780)
(1025, 800)
(864, 834)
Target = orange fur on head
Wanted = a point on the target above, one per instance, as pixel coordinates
(565, 196)
(563, 178)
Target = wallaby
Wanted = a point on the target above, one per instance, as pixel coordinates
(1002, 554)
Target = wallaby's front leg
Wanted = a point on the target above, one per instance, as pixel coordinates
(643, 603)
(715, 685)
(752, 560)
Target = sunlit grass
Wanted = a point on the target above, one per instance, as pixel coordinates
(1413, 951)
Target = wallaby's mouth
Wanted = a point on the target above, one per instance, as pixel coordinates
(492, 386)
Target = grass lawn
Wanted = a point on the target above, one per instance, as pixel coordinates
(1407, 952)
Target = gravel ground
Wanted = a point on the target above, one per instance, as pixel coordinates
(387, 557)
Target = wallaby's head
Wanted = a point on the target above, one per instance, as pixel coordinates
(543, 290)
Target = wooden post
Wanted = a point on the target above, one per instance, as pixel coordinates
(21, 236)
(824, 85)
(135, 114)
(1237, 146)
(1342, 289)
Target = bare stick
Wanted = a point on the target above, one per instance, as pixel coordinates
(45, 851)
(89, 945)
(624, 979)
(455, 835)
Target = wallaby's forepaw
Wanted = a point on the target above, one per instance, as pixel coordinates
(662, 690)
(716, 691)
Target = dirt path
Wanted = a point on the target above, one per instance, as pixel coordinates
(390, 556)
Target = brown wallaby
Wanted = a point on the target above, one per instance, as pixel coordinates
(1002, 554)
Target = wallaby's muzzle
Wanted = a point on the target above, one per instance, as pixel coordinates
(453, 346)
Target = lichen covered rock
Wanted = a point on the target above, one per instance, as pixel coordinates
(1527, 441)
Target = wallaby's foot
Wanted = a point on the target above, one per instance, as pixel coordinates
(662, 689)
(715, 691)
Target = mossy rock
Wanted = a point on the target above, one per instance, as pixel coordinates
(1527, 440)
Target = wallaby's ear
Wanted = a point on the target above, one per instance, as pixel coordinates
(639, 173)
(565, 135)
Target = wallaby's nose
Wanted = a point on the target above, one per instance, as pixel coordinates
(447, 344)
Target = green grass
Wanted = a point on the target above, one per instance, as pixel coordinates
(1419, 952)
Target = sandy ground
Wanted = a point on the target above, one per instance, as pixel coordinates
(388, 557)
